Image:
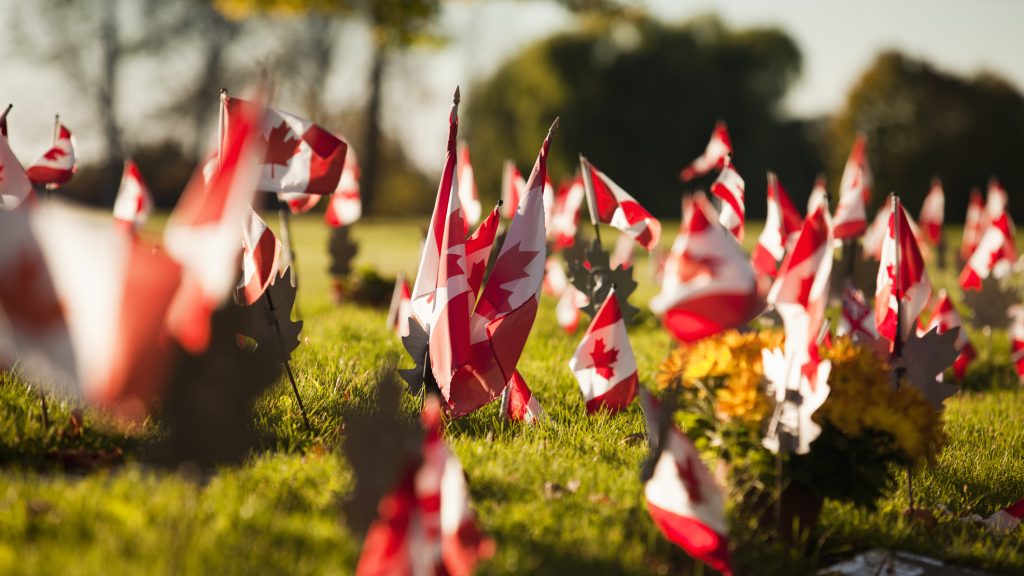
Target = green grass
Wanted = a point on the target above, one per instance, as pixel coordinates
(280, 513)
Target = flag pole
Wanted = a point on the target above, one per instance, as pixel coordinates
(3, 117)
(287, 363)
(222, 124)
(897, 343)
(588, 188)
(56, 132)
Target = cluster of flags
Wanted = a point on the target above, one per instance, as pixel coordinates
(95, 310)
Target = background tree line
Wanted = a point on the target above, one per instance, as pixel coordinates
(637, 96)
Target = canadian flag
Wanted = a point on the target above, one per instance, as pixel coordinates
(819, 195)
(346, 205)
(261, 254)
(996, 200)
(708, 284)
(448, 296)
(682, 496)
(472, 358)
(715, 155)
(425, 525)
(202, 231)
(565, 214)
(133, 204)
(856, 319)
(83, 306)
(781, 227)
(933, 213)
(507, 307)
(854, 190)
(603, 363)
(616, 207)
(299, 156)
(800, 295)
(729, 186)
(994, 255)
(1006, 520)
(902, 284)
(468, 196)
(518, 403)
(945, 318)
(15, 186)
(1016, 314)
(57, 165)
(972, 225)
(400, 308)
(567, 310)
(513, 187)
(478, 250)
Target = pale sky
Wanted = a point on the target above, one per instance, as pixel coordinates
(838, 39)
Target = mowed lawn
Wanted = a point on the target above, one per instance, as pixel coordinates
(558, 498)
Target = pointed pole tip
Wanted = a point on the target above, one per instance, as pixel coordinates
(554, 127)
(458, 95)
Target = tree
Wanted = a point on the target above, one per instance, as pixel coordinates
(640, 98)
(922, 122)
(394, 24)
(90, 42)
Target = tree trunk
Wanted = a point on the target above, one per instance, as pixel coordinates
(107, 101)
(370, 154)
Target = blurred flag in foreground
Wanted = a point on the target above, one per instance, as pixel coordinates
(424, 525)
(682, 497)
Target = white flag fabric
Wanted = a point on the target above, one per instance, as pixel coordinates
(682, 496)
(58, 164)
(134, 203)
(603, 363)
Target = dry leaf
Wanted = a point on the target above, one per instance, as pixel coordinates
(591, 273)
(926, 358)
(208, 408)
(988, 306)
(268, 321)
(377, 444)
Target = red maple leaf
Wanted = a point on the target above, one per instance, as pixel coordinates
(454, 269)
(510, 266)
(28, 297)
(689, 477)
(603, 359)
(54, 154)
(281, 146)
(2, 172)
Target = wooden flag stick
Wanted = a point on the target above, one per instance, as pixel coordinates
(287, 363)
(56, 132)
(285, 220)
(897, 343)
(588, 188)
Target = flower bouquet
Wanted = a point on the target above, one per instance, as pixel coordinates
(870, 430)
